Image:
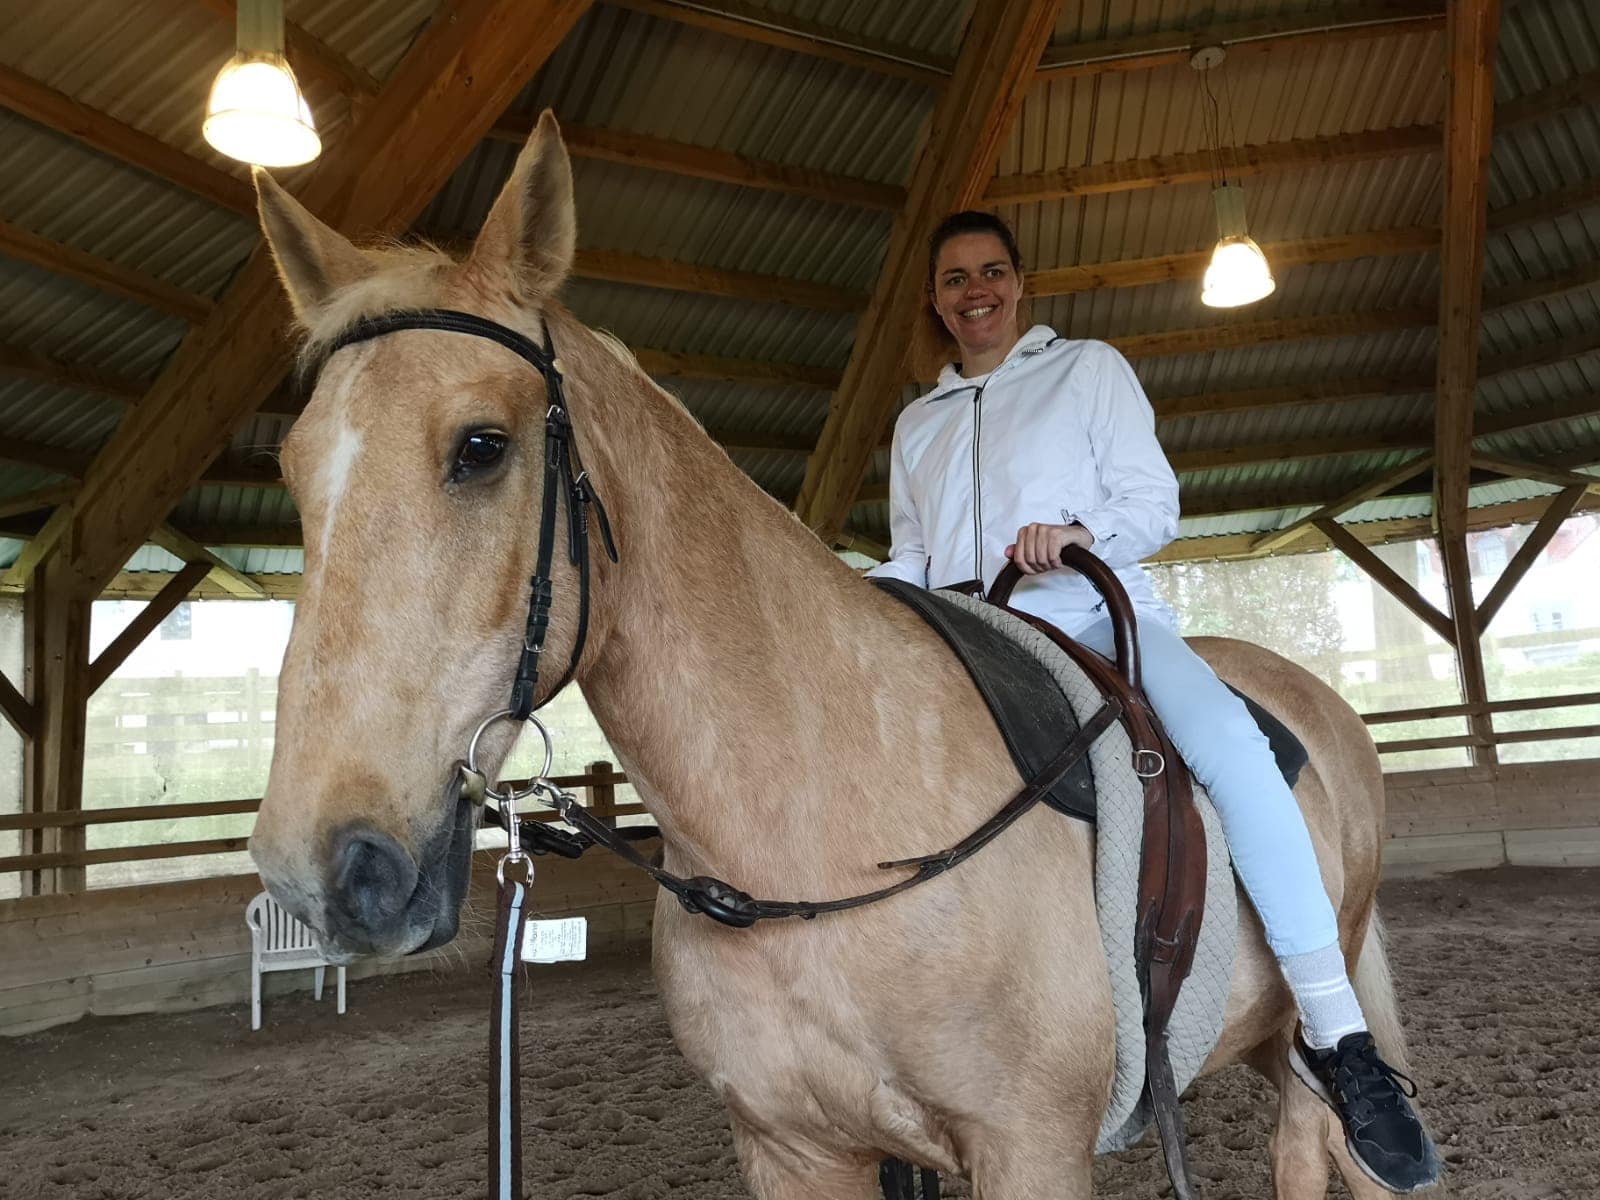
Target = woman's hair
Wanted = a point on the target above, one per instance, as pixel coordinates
(932, 347)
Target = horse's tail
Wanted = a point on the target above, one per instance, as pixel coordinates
(1374, 985)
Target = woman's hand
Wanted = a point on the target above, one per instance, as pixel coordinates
(1038, 546)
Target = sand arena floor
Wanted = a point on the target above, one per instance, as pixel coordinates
(1499, 974)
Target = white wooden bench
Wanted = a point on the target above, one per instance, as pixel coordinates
(278, 942)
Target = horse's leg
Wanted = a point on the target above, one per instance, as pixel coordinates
(1299, 1142)
(1032, 1166)
(783, 1172)
(1308, 1134)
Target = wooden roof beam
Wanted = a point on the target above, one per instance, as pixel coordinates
(1585, 194)
(1269, 543)
(718, 166)
(1295, 155)
(54, 110)
(472, 60)
(224, 574)
(1138, 272)
(106, 276)
(1538, 472)
(1372, 533)
(1562, 505)
(35, 500)
(613, 267)
(1173, 47)
(26, 364)
(145, 622)
(1387, 578)
(961, 143)
(1162, 170)
(1200, 404)
(1233, 334)
(1472, 30)
(755, 23)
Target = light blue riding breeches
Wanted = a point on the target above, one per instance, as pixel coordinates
(1229, 754)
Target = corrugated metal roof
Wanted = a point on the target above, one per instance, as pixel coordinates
(149, 62)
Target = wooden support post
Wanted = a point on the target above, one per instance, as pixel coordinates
(153, 613)
(999, 52)
(1387, 578)
(56, 620)
(1471, 32)
(602, 797)
(1561, 506)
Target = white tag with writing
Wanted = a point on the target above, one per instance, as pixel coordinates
(566, 940)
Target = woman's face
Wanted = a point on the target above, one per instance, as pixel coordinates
(975, 293)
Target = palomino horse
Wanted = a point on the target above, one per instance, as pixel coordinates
(787, 725)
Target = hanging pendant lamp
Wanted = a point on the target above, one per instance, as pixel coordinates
(256, 112)
(1238, 272)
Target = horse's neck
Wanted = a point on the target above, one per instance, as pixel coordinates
(739, 659)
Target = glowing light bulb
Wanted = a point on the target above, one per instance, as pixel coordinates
(257, 113)
(1238, 272)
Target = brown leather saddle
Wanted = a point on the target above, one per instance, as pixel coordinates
(1172, 871)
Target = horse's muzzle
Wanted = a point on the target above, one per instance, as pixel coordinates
(380, 900)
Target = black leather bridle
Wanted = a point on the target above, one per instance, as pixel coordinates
(563, 475)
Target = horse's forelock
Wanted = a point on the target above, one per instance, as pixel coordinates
(405, 277)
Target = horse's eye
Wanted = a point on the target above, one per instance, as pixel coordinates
(479, 451)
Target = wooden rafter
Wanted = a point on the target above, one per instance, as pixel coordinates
(1387, 578)
(26, 364)
(1172, 47)
(1163, 170)
(633, 269)
(1138, 272)
(1542, 414)
(38, 498)
(1540, 354)
(1199, 404)
(1371, 533)
(1232, 334)
(718, 166)
(750, 22)
(1298, 154)
(1472, 31)
(1538, 472)
(439, 102)
(1551, 204)
(1269, 543)
(111, 137)
(98, 273)
(37, 454)
(1561, 507)
(143, 624)
(666, 364)
(999, 51)
(224, 574)
(1546, 288)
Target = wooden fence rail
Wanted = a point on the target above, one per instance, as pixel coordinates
(601, 781)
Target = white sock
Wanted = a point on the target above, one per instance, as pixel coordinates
(1328, 1006)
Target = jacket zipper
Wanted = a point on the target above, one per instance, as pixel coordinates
(977, 483)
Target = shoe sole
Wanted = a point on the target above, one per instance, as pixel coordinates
(1303, 1072)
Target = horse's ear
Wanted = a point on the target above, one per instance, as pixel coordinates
(532, 229)
(313, 260)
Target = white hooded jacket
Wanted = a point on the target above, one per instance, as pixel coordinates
(1060, 432)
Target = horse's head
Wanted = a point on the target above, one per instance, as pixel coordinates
(417, 468)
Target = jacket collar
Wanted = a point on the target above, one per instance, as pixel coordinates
(1029, 344)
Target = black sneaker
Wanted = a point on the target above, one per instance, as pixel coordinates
(1381, 1132)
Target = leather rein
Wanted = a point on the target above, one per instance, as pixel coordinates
(564, 476)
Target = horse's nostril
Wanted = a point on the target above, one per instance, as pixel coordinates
(373, 877)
